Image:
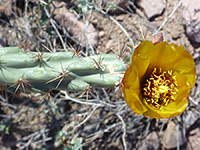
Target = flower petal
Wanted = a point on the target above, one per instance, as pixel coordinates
(134, 102)
(129, 77)
(141, 58)
(185, 65)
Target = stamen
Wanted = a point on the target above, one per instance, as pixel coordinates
(160, 88)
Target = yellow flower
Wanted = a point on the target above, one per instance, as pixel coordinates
(158, 81)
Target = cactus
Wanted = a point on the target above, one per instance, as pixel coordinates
(42, 71)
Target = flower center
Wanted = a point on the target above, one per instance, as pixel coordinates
(160, 88)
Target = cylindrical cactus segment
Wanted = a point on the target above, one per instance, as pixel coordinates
(42, 71)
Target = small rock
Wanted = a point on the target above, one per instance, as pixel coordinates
(194, 136)
(194, 140)
(193, 33)
(102, 34)
(120, 18)
(6, 7)
(169, 140)
(84, 33)
(150, 142)
(152, 8)
(109, 44)
(191, 10)
(191, 13)
(2, 44)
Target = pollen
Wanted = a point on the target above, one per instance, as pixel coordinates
(160, 88)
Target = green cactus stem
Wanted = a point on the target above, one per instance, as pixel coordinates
(44, 71)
